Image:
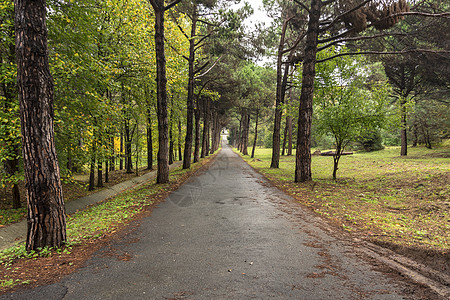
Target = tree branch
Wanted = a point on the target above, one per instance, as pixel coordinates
(382, 53)
(172, 4)
(176, 50)
(201, 68)
(207, 71)
(302, 5)
(359, 38)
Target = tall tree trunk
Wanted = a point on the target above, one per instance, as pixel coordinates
(279, 98)
(180, 156)
(208, 133)
(106, 171)
(256, 134)
(121, 151)
(112, 166)
(403, 133)
(197, 134)
(190, 97)
(205, 126)
(92, 165)
(161, 94)
(128, 161)
(284, 138)
(99, 173)
(303, 153)
(246, 124)
(171, 159)
(46, 214)
(289, 124)
(149, 143)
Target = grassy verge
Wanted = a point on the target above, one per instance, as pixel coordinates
(85, 228)
(380, 196)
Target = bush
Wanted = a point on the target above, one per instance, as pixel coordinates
(370, 141)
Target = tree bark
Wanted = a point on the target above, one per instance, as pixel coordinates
(289, 124)
(245, 131)
(205, 127)
(46, 213)
(279, 98)
(197, 133)
(149, 138)
(403, 133)
(190, 97)
(100, 173)
(303, 153)
(256, 134)
(121, 151)
(112, 165)
(180, 155)
(284, 138)
(128, 161)
(161, 94)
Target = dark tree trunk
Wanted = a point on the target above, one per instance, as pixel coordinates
(112, 160)
(289, 125)
(279, 98)
(284, 138)
(403, 133)
(149, 143)
(245, 131)
(171, 159)
(415, 137)
(205, 127)
(106, 171)
(121, 151)
(161, 94)
(92, 167)
(190, 97)
(303, 153)
(208, 133)
(100, 173)
(197, 134)
(180, 156)
(128, 161)
(256, 134)
(336, 162)
(46, 214)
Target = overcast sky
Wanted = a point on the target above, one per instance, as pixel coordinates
(259, 15)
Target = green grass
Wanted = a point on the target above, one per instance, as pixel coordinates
(380, 195)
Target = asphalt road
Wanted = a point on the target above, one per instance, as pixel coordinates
(225, 235)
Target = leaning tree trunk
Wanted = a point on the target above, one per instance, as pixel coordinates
(303, 153)
(46, 214)
(256, 134)
(246, 128)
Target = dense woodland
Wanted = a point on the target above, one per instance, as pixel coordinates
(139, 83)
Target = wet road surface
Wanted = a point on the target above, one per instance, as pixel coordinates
(226, 234)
